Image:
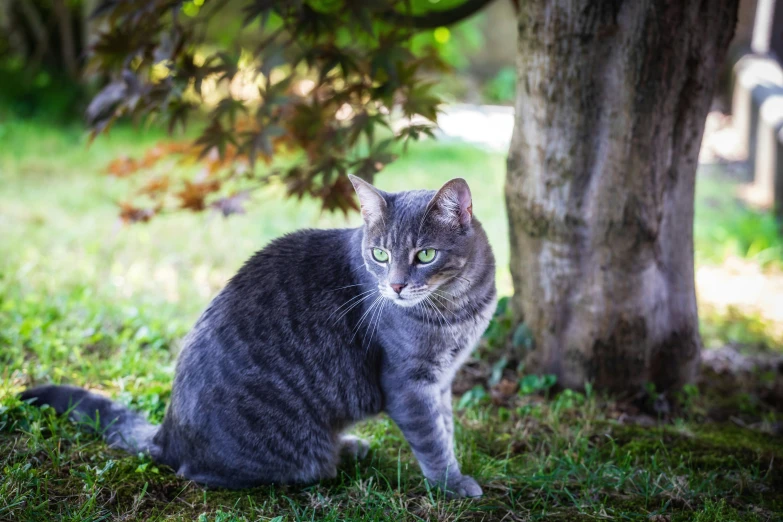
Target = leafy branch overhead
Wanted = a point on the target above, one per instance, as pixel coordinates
(315, 90)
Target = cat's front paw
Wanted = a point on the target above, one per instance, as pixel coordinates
(462, 486)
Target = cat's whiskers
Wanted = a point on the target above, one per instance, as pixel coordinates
(450, 294)
(444, 317)
(428, 308)
(424, 312)
(368, 339)
(464, 302)
(445, 306)
(457, 276)
(351, 299)
(450, 329)
(349, 286)
(358, 267)
(456, 301)
(377, 322)
(437, 310)
(442, 296)
(363, 295)
(464, 279)
(345, 312)
(361, 319)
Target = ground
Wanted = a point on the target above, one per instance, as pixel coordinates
(88, 301)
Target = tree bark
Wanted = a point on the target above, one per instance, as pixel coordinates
(611, 102)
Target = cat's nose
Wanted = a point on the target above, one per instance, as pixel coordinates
(397, 287)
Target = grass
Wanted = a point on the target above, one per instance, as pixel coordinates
(724, 227)
(86, 301)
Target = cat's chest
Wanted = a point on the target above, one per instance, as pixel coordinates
(461, 339)
(437, 348)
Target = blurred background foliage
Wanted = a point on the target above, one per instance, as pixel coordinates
(60, 232)
(312, 90)
(47, 168)
(37, 80)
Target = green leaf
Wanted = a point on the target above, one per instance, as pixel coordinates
(497, 371)
(472, 397)
(523, 338)
(502, 306)
(230, 108)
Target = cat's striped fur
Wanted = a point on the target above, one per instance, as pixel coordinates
(309, 338)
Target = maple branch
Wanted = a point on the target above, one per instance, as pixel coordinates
(436, 18)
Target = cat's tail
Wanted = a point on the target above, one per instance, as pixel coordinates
(121, 427)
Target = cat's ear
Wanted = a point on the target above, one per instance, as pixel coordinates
(372, 201)
(453, 204)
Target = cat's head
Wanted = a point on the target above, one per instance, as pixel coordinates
(416, 241)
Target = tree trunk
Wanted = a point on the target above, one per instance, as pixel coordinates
(611, 102)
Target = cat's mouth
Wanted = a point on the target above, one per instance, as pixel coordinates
(405, 298)
(406, 301)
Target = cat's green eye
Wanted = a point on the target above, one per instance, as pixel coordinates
(426, 255)
(380, 255)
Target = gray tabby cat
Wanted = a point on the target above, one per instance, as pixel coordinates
(319, 330)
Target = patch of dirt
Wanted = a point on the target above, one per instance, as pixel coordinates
(743, 387)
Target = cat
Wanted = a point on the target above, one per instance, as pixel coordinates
(319, 330)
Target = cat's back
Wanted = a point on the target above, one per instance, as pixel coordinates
(305, 261)
(272, 369)
(277, 314)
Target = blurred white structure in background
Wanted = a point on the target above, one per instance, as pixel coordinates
(488, 126)
(757, 106)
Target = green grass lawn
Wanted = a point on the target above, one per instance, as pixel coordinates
(88, 301)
